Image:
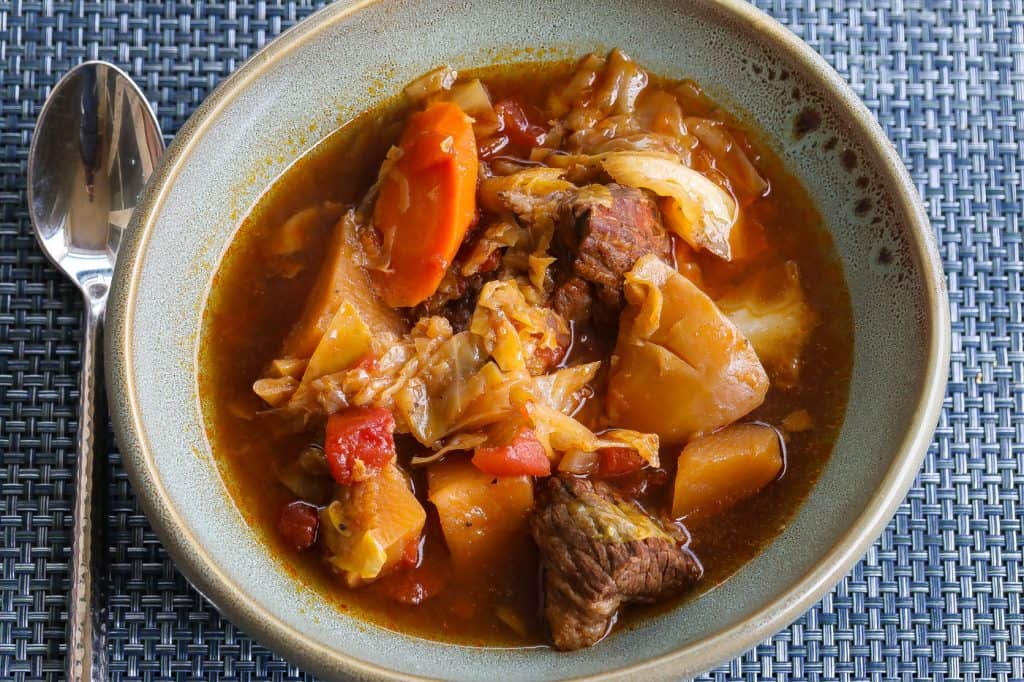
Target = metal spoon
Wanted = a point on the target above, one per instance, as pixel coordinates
(94, 146)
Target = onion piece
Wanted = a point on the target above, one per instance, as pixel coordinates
(441, 78)
(472, 97)
(579, 462)
(460, 441)
(729, 157)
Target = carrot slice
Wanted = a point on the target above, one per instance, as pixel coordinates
(426, 204)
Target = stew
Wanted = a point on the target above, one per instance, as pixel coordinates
(525, 350)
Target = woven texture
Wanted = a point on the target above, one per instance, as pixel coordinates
(938, 597)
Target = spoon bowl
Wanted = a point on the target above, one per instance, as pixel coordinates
(95, 144)
(94, 147)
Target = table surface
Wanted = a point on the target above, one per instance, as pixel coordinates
(938, 597)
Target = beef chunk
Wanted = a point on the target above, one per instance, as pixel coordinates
(455, 299)
(612, 237)
(573, 299)
(600, 551)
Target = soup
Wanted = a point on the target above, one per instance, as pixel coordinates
(526, 353)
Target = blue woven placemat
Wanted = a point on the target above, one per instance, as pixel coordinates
(938, 597)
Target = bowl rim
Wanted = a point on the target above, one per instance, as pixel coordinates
(197, 565)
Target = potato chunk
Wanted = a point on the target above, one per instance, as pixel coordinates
(341, 278)
(368, 527)
(680, 366)
(718, 470)
(482, 516)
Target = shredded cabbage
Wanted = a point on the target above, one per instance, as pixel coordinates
(561, 390)
(770, 308)
(519, 335)
(448, 389)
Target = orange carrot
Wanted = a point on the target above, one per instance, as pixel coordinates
(427, 202)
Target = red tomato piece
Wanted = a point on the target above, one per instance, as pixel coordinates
(492, 146)
(359, 442)
(298, 524)
(618, 461)
(524, 456)
(516, 125)
(415, 583)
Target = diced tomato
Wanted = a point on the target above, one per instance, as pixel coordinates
(517, 126)
(359, 442)
(492, 262)
(524, 456)
(491, 146)
(298, 524)
(551, 356)
(618, 461)
(416, 584)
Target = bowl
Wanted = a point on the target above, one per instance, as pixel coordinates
(352, 55)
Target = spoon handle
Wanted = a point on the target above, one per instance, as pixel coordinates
(87, 609)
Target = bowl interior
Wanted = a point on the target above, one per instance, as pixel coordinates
(351, 56)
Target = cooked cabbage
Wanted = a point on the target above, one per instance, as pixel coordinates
(729, 157)
(450, 390)
(308, 476)
(770, 309)
(562, 390)
(458, 442)
(517, 334)
(559, 433)
(497, 235)
(532, 194)
(472, 97)
(275, 391)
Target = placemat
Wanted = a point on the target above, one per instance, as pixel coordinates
(938, 597)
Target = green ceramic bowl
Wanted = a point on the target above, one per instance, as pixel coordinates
(352, 55)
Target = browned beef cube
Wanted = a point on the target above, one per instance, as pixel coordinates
(600, 551)
(611, 238)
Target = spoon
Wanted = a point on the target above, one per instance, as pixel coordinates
(94, 147)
